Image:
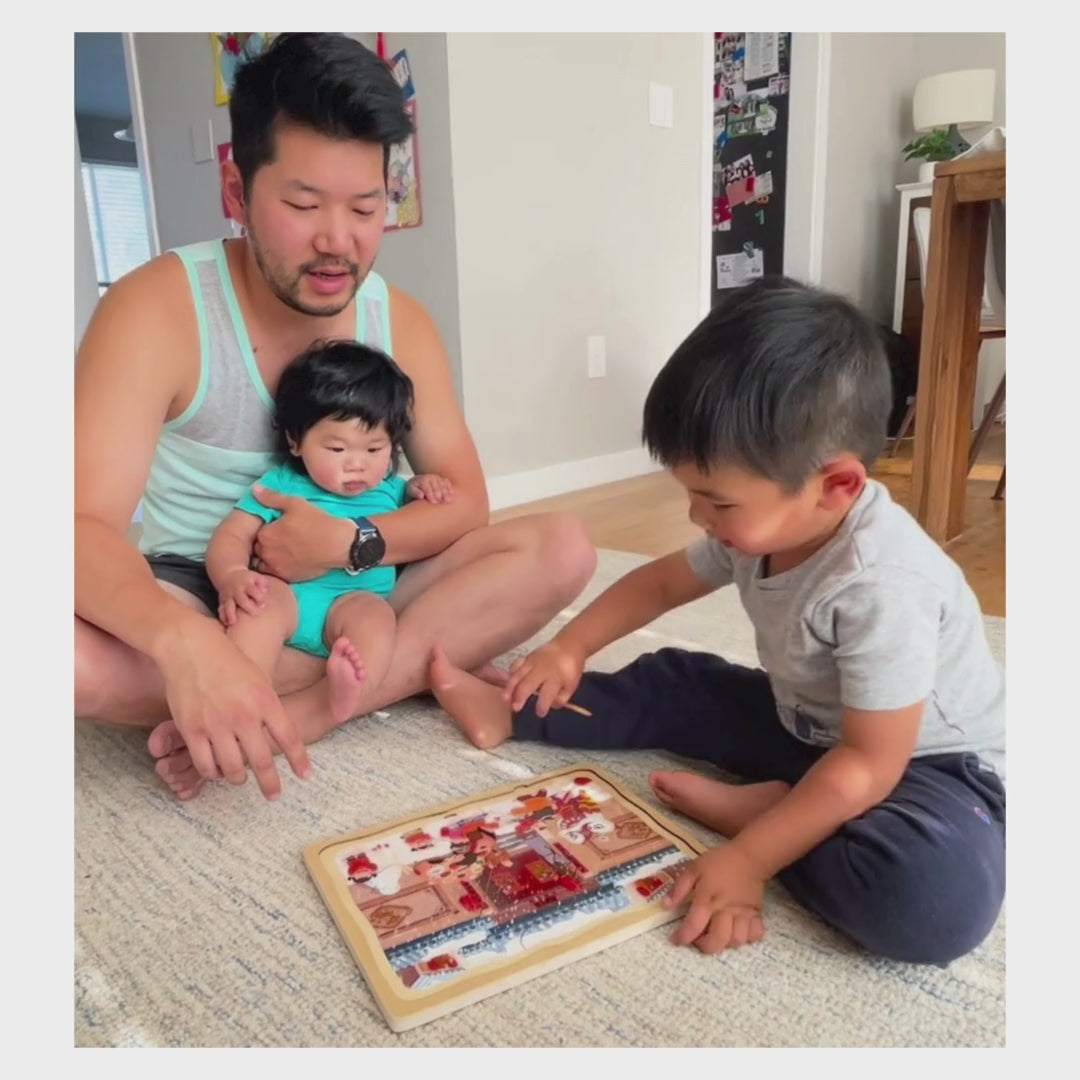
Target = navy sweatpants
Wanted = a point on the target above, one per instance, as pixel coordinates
(919, 878)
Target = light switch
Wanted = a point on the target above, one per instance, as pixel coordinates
(661, 105)
(202, 141)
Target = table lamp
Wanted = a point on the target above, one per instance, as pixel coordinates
(954, 100)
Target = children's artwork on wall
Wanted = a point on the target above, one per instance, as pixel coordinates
(464, 900)
(230, 50)
(403, 168)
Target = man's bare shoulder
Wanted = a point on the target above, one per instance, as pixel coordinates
(145, 324)
(159, 285)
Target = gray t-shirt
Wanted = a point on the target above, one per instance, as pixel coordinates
(878, 618)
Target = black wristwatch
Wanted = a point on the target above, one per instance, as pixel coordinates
(368, 547)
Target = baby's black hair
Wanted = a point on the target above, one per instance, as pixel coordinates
(342, 380)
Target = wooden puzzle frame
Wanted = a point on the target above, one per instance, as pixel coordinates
(576, 861)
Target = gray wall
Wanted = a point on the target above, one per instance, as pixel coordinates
(575, 217)
(423, 261)
(176, 78)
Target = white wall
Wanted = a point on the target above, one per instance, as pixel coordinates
(574, 217)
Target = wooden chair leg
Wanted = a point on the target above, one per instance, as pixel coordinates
(903, 430)
(1000, 489)
(987, 422)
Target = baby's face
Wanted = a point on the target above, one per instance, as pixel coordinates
(344, 456)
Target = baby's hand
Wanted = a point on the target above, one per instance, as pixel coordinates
(431, 488)
(243, 589)
(552, 672)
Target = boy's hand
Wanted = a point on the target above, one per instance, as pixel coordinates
(726, 894)
(430, 488)
(243, 589)
(552, 672)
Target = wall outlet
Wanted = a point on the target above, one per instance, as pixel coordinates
(594, 348)
(661, 105)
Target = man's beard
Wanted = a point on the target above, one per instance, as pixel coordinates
(287, 288)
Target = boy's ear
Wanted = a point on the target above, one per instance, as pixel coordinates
(294, 447)
(842, 480)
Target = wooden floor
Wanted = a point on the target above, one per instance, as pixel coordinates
(647, 515)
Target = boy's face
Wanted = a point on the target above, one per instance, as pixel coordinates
(344, 456)
(756, 516)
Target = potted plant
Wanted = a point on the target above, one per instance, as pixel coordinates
(930, 148)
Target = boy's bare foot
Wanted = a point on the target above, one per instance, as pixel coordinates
(477, 707)
(345, 676)
(174, 764)
(727, 808)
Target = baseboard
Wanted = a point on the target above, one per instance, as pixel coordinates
(525, 487)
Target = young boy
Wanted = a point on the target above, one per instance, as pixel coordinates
(872, 743)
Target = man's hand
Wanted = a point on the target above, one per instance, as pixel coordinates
(241, 589)
(552, 672)
(430, 488)
(726, 894)
(304, 543)
(226, 710)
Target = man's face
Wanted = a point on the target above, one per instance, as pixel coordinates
(315, 218)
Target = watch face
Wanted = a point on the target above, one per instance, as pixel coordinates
(367, 550)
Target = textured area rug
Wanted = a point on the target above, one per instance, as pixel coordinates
(196, 924)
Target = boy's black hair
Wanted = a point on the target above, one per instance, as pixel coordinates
(342, 380)
(777, 378)
(327, 82)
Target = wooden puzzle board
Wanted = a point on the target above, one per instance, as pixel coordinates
(464, 900)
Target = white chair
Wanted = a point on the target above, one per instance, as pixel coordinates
(991, 322)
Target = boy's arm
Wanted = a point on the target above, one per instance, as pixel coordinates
(845, 782)
(632, 602)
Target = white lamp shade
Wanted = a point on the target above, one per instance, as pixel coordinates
(963, 98)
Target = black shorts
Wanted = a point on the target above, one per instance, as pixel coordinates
(187, 574)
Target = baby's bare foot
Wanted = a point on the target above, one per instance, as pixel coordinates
(345, 674)
(476, 706)
(174, 764)
(727, 808)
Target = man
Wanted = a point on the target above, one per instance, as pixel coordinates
(173, 396)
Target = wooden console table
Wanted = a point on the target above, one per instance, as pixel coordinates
(960, 213)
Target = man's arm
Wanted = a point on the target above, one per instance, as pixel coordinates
(132, 371)
(306, 542)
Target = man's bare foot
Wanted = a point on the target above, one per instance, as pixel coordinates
(477, 707)
(727, 808)
(345, 675)
(174, 764)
